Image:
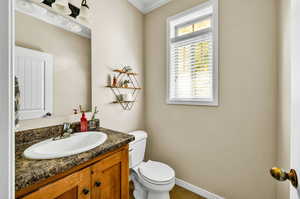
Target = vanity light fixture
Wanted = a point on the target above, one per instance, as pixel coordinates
(66, 7)
(47, 2)
(37, 9)
(75, 3)
(84, 11)
(61, 3)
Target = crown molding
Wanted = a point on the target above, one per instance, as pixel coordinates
(147, 8)
(155, 5)
(138, 4)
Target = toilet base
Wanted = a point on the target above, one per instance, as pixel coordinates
(142, 194)
(158, 195)
(144, 191)
(138, 194)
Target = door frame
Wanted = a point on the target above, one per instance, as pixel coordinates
(295, 93)
(7, 151)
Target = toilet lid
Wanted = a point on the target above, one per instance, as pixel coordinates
(157, 172)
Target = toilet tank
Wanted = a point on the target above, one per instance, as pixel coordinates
(137, 148)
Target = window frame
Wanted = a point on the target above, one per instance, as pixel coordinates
(215, 32)
(192, 22)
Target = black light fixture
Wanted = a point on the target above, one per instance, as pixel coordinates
(74, 10)
(84, 3)
(48, 2)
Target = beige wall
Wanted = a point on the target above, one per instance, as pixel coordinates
(284, 69)
(72, 61)
(117, 38)
(229, 149)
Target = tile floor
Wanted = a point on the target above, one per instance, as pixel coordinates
(176, 193)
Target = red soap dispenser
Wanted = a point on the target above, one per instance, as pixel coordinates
(83, 123)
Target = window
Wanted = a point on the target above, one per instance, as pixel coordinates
(193, 56)
(194, 27)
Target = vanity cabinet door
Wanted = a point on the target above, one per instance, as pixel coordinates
(110, 177)
(75, 186)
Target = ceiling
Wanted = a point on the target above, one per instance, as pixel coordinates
(146, 6)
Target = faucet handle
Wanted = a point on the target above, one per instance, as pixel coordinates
(70, 131)
(67, 127)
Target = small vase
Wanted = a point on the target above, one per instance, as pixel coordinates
(92, 125)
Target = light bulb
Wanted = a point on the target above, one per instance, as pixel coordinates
(62, 6)
(84, 13)
(63, 3)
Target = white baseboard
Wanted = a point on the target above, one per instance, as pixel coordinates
(197, 190)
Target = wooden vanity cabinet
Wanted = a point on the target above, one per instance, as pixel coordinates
(74, 186)
(103, 179)
(110, 177)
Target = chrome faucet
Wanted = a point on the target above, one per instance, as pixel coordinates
(67, 132)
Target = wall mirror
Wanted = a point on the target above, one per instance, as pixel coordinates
(52, 60)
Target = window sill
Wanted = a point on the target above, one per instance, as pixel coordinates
(193, 103)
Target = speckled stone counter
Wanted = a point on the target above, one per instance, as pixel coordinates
(29, 172)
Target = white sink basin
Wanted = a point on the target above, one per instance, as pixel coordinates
(77, 143)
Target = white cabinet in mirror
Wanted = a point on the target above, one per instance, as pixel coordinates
(56, 17)
(34, 71)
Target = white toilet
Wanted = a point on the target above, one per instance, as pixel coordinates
(152, 180)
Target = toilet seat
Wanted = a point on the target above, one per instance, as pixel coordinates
(156, 173)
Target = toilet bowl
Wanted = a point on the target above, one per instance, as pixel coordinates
(152, 180)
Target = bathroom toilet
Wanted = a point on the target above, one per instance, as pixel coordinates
(152, 180)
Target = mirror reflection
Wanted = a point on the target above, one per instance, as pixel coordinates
(52, 66)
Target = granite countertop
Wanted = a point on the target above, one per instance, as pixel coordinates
(29, 172)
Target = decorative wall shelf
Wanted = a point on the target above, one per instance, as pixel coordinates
(123, 87)
(133, 88)
(117, 102)
(124, 72)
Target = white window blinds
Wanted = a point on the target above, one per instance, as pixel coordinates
(191, 71)
(191, 59)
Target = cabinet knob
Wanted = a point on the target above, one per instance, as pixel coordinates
(97, 184)
(86, 191)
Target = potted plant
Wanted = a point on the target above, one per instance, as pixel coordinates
(125, 83)
(127, 69)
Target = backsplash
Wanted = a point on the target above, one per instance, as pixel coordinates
(39, 134)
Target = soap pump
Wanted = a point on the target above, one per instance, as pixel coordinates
(83, 123)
